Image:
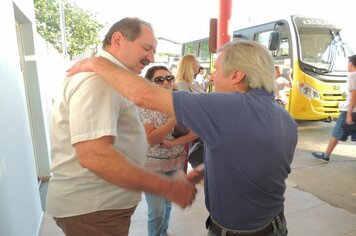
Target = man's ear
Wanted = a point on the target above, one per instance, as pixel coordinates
(237, 76)
(116, 40)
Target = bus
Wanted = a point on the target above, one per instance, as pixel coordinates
(311, 49)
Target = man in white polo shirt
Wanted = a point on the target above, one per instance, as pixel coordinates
(345, 124)
(98, 145)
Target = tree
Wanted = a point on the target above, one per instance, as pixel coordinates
(81, 28)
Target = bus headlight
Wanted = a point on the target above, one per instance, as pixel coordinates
(308, 91)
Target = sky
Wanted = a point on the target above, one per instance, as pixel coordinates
(187, 20)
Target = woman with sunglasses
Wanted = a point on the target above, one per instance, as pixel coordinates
(162, 158)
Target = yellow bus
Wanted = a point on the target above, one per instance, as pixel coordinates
(312, 49)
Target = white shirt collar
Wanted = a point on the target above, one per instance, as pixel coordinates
(111, 58)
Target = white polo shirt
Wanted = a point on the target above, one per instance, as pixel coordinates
(88, 109)
(350, 86)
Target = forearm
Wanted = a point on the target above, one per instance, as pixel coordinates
(133, 87)
(111, 165)
(159, 134)
(290, 81)
(351, 105)
(191, 136)
(280, 86)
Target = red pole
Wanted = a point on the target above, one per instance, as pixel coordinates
(223, 22)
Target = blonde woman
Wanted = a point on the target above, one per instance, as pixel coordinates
(188, 68)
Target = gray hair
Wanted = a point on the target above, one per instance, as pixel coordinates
(129, 27)
(251, 58)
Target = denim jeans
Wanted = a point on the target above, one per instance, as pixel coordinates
(279, 230)
(159, 211)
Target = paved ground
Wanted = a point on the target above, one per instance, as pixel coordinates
(306, 216)
(334, 182)
(320, 198)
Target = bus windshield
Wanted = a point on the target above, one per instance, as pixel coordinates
(321, 45)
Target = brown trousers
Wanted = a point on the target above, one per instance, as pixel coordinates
(100, 223)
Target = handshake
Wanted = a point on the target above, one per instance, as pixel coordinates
(182, 187)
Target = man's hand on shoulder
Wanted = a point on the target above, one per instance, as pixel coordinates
(84, 65)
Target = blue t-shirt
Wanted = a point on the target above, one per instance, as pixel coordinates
(249, 147)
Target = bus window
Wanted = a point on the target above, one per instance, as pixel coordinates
(200, 49)
(283, 49)
(321, 45)
(313, 44)
(190, 49)
(263, 38)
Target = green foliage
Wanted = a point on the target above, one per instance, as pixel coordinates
(81, 28)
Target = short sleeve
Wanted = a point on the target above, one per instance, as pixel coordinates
(352, 82)
(92, 113)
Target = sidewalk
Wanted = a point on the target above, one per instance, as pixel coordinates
(306, 216)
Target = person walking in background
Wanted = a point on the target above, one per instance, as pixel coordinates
(160, 158)
(249, 138)
(201, 80)
(283, 84)
(346, 118)
(98, 145)
(173, 69)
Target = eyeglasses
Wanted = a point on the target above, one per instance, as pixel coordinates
(161, 79)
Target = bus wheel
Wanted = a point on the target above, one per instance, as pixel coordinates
(328, 120)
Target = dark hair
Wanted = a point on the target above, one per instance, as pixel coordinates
(129, 27)
(152, 70)
(352, 59)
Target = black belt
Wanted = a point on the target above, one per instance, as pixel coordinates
(266, 230)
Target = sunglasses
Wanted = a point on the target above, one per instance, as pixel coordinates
(161, 79)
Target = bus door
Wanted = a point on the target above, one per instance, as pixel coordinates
(276, 36)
